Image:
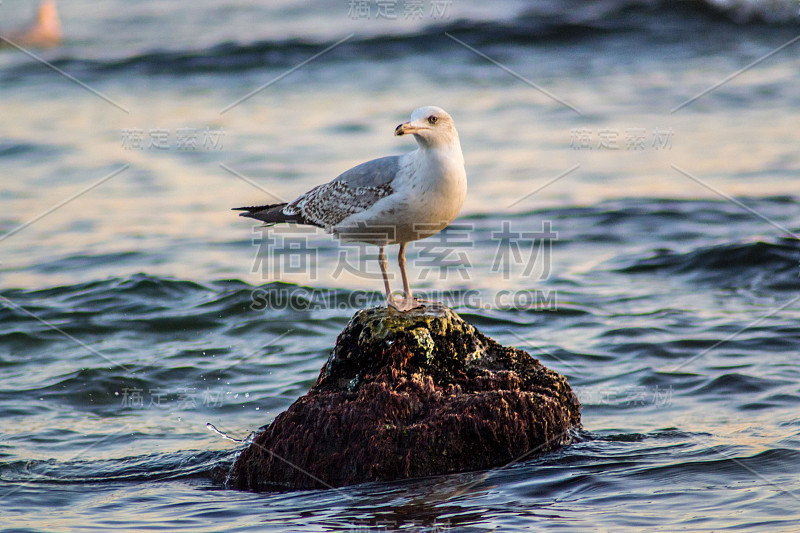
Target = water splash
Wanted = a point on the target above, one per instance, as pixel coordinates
(213, 428)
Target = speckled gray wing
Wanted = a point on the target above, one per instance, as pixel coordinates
(352, 192)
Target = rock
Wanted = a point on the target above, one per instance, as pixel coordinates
(407, 395)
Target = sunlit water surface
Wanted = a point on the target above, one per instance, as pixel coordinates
(668, 295)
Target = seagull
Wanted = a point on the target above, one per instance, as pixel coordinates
(390, 200)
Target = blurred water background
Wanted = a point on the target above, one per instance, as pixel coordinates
(132, 300)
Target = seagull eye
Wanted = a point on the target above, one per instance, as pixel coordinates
(432, 119)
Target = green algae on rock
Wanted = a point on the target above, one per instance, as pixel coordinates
(407, 395)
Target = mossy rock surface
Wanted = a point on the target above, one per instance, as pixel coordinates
(407, 395)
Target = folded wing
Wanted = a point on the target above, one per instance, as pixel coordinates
(327, 205)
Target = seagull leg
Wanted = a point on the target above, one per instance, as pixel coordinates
(409, 301)
(401, 261)
(382, 263)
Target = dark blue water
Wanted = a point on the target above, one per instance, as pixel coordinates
(136, 309)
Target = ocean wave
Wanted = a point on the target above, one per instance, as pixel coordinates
(151, 467)
(774, 265)
(769, 11)
(541, 24)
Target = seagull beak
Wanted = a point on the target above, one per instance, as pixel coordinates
(405, 127)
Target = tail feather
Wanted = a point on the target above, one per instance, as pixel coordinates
(272, 214)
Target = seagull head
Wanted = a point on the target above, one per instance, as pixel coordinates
(431, 126)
